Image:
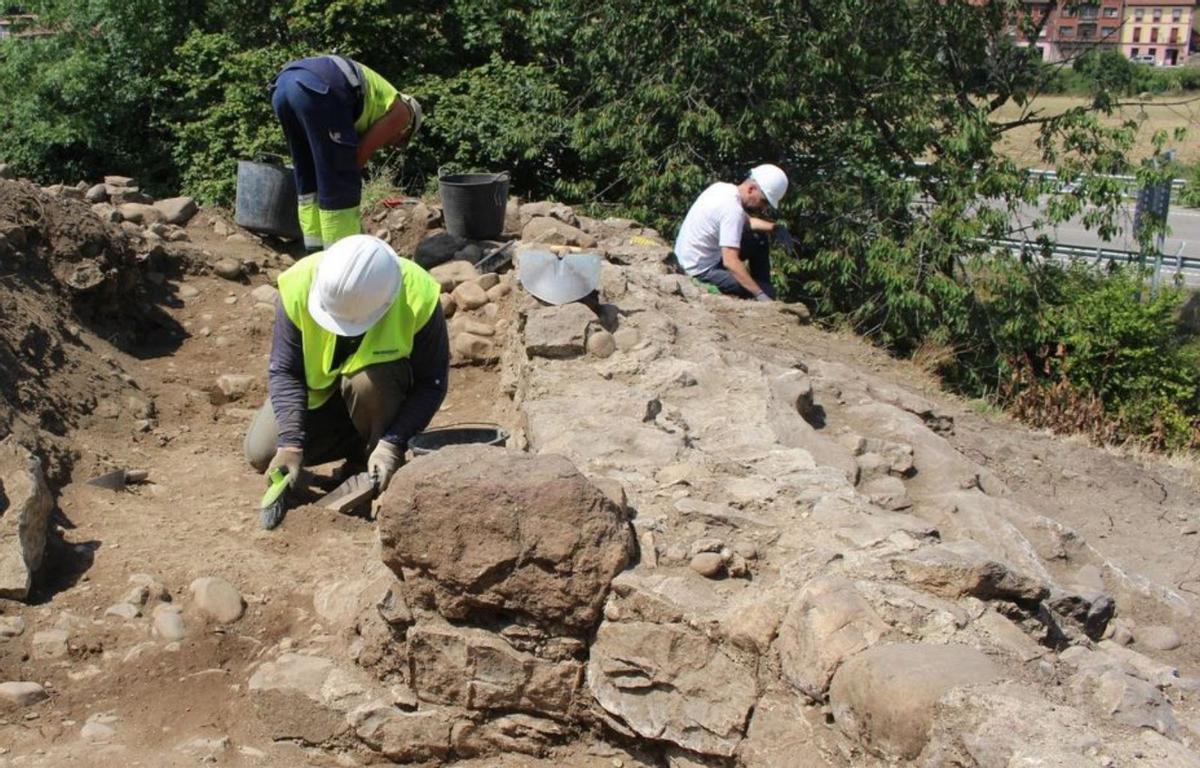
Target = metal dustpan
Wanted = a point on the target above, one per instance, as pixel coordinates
(557, 280)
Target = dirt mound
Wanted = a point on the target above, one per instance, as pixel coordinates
(64, 277)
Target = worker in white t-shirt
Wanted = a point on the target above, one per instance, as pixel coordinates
(721, 244)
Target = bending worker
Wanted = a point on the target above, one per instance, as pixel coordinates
(720, 236)
(359, 362)
(335, 113)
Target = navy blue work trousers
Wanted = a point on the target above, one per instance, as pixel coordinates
(756, 253)
(317, 107)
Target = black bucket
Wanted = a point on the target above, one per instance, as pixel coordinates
(266, 199)
(473, 204)
(457, 434)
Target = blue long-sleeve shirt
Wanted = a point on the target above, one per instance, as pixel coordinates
(430, 361)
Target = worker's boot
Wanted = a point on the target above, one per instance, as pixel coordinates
(338, 224)
(310, 223)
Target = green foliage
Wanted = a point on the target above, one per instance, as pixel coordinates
(1108, 71)
(222, 113)
(498, 116)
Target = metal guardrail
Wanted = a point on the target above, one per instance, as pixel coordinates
(1187, 266)
(1130, 182)
(1177, 185)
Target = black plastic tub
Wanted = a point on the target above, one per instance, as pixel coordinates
(473, 204)
(457, 434)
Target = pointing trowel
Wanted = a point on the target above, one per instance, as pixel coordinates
(119, 478)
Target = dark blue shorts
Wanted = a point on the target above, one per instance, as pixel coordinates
(317, 106)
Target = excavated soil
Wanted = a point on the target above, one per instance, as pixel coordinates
(110, 359)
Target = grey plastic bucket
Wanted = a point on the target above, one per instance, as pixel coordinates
(266, 199)
(473, 204)
(457, 434)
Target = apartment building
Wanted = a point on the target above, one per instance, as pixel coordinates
(1067, 32)
(1157, 31)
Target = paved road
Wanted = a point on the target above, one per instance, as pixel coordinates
(1184, 223)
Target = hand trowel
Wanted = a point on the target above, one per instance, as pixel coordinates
(355, 490)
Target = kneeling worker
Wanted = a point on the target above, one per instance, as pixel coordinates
(720, 237)
(359, 362)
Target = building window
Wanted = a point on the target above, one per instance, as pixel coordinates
(1137, 34)
(1133, 52)
(1089, 12)
(1158, 14)
(1152, 52)
(1138, 13)
(1066, 31)
(1087, 31)
(1108, 31)
(1068, 11)
(1174, 38)
(1154, 34)
(1110, 13)
(1176, 14)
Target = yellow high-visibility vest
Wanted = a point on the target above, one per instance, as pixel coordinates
(390, 338)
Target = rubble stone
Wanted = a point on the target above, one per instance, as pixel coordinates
(548, 231)
(669, 682)
(453, 274)
(558, 332)
(177, 210)
(218, 598)
(962, 568)
(469, 296)
(22, 694)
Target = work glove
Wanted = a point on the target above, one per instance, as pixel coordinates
(383, 463)
(414, 109)
(784, 238)
(762, 297)
(289, 458)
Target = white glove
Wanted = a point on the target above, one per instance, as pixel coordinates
(762, 297)
(290, 459)
(415, 117)
(383, 463)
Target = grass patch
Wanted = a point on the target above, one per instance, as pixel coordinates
(1161, 113)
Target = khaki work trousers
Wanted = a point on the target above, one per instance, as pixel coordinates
(347, 426)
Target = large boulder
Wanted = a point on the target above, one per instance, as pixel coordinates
(480, 533)
(885, 696)
(25, 507)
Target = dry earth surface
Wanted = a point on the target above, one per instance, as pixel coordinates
(719, 535)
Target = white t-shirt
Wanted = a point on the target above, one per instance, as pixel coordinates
(715, 221)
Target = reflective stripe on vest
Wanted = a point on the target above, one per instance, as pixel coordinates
(391, 338)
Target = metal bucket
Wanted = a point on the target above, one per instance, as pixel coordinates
(266, 199)
(457, 434)
(473, 204)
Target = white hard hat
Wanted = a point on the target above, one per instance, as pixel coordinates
(356, 282)
(772, 181)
